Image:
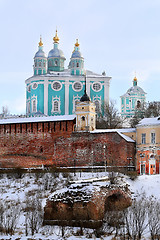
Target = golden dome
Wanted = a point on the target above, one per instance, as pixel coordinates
(135, 79)
(56, 38)
(76, 44)
(40, 43)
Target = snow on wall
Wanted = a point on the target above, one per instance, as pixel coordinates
(38, 119)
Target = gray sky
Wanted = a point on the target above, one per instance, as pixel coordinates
(118, 36)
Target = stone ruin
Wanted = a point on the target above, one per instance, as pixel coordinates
(84, 204)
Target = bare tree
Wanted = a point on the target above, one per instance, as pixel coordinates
(135, 218)
(154, 218)
(2, 210)
(5, 112)
(33, 216)
(152, 109)
(10, 217)
(108, 116)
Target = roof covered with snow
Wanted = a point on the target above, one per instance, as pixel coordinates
(67, 73)
(119, 131)
(125, 130)
(38, 119)
(149, 121)
(134, 90)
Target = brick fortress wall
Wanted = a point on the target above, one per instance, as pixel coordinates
(54, 143)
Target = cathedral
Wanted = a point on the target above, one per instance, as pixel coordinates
(54, 90)
(132, 100)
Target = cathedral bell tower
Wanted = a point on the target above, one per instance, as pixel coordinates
(40, 60)
(76, 64)
(85, 112)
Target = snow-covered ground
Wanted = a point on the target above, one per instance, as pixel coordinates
(15, 189)
(150, 184)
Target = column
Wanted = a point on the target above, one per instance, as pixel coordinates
(88, 86)
(46, 97)
(66, 96)
(106, 89)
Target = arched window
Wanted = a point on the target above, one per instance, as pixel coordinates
(40, 64)
(28, 107)
(34, 107)
(29, 88)
(76, 100)
(55, 106)
(83, 118)
(97, 105)
(138, 104)
(77, 64)
(56, 63)
(56, 103)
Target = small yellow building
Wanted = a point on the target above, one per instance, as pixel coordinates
(86, 115)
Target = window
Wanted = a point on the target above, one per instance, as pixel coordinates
(83, 118)
(77, 64)
(77, 86)
(57, 86)
(40, 64)
(34, 107)
(35, 85)
(44, 64)
(97, 86)
(56, 63)
(76, 100)
(97, 105)
(29, 88)
(35, 64)
(143, 138)
(153, 138)
(55, 106)
(28, 107)
(138, 104)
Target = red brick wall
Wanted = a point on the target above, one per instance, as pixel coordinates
(88, 148)
(54, 143)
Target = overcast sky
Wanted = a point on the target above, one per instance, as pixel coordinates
(118, 36)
